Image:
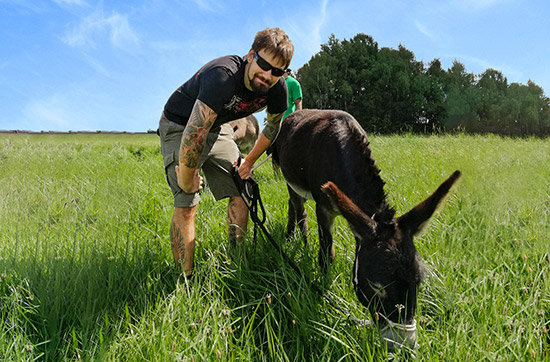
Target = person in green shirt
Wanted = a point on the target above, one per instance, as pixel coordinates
(294, 93)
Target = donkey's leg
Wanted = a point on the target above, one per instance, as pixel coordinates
(296, 214)
(325, 219)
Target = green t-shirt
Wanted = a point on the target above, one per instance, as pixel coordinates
(294, 92)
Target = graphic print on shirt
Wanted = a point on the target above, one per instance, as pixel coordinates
(237, 105)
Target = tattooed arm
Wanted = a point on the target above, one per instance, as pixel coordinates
(268, 134)
(192, 143)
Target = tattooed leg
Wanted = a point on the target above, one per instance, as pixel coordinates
(182, 238)
(237, 219)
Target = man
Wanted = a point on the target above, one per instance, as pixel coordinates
(294, 93)
(195, 135)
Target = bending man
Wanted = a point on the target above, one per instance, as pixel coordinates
(195, 135)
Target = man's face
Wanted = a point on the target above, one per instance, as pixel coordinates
(257, 79)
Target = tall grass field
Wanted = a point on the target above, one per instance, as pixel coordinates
(86, 271)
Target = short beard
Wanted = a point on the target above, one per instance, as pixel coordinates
(259, 88)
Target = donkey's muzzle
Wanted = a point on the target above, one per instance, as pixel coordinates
(396, 336)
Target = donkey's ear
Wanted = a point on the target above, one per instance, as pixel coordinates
(415, 219)
(358, 220)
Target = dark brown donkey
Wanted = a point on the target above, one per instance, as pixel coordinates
(325, 155)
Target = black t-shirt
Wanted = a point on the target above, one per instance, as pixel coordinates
(220, 85)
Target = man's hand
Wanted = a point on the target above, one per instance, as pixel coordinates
(245, 169)
(189, 179)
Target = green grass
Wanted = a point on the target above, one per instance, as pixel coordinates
(86, 270)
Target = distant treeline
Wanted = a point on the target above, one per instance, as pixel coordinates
(388, 90)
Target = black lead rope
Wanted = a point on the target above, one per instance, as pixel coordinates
(250, 193)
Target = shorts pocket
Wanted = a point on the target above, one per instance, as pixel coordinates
(169, 159)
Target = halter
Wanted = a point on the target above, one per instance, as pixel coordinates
(398, 335)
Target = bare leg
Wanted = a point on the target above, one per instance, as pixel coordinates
(182, 238)
(237, 219)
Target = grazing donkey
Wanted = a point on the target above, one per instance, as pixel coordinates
(325, 155)
(246, 132)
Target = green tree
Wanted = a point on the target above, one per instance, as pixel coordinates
(493, 87)
(338, 77)
(388, 90)
(530, 113)
(462, 99)
(402, 92)
(383, 89)
(317, 78)
(434, 111)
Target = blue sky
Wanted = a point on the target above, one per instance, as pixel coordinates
(95, 65)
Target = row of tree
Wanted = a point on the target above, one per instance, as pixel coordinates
(388, 90)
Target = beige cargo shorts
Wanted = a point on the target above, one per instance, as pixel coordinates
(216, 161)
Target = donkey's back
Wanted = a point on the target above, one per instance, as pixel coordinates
(316, 146)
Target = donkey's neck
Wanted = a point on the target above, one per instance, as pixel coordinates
(372, 199)
(368, 193)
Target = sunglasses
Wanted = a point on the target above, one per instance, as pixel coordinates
(262, 63)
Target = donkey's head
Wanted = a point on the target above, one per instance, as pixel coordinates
(388, 269)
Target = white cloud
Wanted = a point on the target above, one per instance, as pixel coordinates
(477, 66)
(321, 21)
(89, 31)
(423, 29)
(97, 65)
(306, 28)
(48, 114)
(122, 35)
(477, 4)
(209, 5)
(70, 2)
